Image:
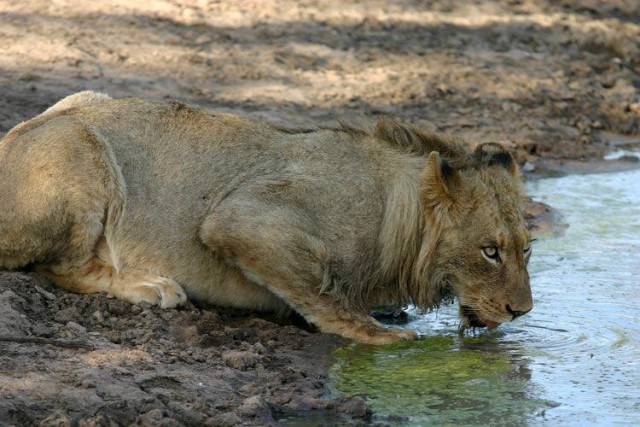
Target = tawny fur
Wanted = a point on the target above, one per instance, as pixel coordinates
(156, 201)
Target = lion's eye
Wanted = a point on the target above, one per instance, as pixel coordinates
(491, 252)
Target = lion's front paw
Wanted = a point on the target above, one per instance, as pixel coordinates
(158, 290)
(384, 335)
(407, 334)
(363, 329)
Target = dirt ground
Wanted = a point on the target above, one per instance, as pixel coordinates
(557, 81)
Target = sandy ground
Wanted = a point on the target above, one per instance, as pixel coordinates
(556, 81)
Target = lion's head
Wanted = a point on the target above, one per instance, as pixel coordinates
(476, 245)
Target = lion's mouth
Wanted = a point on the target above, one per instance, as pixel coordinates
(472, 319)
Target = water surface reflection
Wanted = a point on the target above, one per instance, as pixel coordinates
(442, 380)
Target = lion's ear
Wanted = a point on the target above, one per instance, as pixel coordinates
(439, 181)
(491, 153)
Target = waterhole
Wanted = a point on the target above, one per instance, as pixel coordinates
(574, 360)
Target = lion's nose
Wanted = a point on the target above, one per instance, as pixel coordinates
(517, 313)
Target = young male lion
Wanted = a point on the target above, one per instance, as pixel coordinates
(155, 201)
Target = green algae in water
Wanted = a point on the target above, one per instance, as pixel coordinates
(439, 380)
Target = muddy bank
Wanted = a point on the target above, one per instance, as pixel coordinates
(71, 359)
(558, 82)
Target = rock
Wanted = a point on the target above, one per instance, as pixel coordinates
(186, 414)
(353, 406)
(12, 322)
(46, 294)
(75, 328)
(58, 418)
(242, 360)
(228, 419)
(66, 315)
(209, 321)
(247, 334)
(151, 418)
(255, 407)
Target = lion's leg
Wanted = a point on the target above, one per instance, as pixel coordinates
(64, 195)
(271, 251)
(98, 276)
(58, 185)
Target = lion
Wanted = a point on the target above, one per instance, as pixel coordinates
(160, 201)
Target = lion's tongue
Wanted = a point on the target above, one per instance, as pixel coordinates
(491, 325)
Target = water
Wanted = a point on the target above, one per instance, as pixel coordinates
(574, 360)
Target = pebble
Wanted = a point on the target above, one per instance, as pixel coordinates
(76, 328)
(241, 360)
(46, 294)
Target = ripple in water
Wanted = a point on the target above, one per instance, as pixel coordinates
(574, 360)
(588, 283)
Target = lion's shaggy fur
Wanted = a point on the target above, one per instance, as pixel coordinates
(147, 200)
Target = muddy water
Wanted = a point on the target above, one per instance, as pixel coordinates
(574, 360)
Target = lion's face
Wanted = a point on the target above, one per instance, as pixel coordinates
(487, 264)
(484, 247)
